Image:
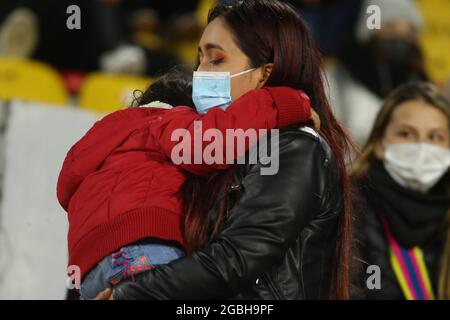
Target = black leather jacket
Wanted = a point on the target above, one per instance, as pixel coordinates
(277, 242)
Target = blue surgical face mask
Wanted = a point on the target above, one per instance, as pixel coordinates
(212, 89)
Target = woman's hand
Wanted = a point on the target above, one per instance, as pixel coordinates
(105, 295)
(315, 119)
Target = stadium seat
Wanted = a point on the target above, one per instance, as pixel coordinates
(105, 93)
(31, 81)
(202, 11)
(435, 38)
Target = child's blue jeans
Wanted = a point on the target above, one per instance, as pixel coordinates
(124, 264)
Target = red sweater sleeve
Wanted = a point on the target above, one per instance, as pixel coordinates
(180, 134)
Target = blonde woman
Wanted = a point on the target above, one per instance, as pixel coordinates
(403, 171)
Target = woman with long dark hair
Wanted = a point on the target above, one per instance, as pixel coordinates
(254, 236)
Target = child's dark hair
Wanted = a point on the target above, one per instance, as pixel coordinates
(174, 88)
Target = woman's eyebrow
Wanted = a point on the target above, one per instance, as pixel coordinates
(412, 127)
(403, 126)
(209, 46)
(406, 125)
(440, 129)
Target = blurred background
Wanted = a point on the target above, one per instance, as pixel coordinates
(62, 67)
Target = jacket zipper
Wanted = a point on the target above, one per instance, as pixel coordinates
(266, 278)
(273, 287)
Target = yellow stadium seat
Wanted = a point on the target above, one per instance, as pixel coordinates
(31, 81)
(105, 93)
(187, 52)
(202, 11)
(436, 38)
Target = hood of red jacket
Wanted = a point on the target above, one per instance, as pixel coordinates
(89, 153)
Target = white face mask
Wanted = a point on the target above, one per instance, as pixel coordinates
(212, 89)
(417, 166)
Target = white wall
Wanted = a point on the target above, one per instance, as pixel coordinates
(33, 227)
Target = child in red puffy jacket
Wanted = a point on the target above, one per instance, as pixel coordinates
(120, 187)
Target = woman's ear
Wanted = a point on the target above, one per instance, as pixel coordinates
(266, 71)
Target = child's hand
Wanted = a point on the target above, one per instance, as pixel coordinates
(315, 119)
(105, 295)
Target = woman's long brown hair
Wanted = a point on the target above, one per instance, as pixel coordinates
(270, 31)
(431, 95)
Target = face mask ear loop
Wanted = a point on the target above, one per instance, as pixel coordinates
(242, 73)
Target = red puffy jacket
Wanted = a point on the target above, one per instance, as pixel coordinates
(118, 183)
